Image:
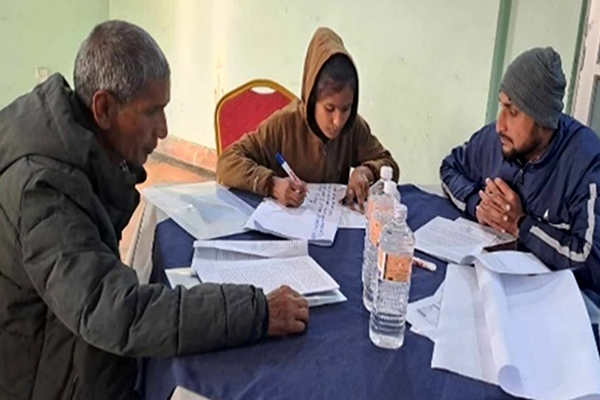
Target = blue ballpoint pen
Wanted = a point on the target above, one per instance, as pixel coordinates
(286, 167)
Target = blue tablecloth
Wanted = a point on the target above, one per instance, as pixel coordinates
(334, 358)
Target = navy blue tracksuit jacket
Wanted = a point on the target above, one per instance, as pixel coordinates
(559, 192)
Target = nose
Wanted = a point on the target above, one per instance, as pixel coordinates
(162, 129)
(337, 118)
(501, 122)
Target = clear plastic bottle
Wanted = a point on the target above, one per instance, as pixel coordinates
(386, 173)
(396, 249)
(381, 211)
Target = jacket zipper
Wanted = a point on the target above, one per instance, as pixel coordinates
(520, 176)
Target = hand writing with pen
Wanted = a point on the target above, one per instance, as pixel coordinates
(289, 192)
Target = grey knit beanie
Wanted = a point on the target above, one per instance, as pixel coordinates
(535, 83)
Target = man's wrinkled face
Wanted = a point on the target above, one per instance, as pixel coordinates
(134, 127)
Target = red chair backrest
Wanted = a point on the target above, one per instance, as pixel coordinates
(243, 109)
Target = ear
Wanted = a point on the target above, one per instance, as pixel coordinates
(104, 108)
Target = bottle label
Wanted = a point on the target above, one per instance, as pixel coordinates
(394, 268)
(374, 231)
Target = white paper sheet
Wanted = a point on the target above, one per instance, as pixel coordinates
(324, 298)
(181, 393)
(185, 277)
(205, 210)
(232, 255)
(592, 309)
(349, 219)
(529, 334)
(509, 262)
(316, 220)
(453, 240)
(558, 357)
(243, 250)
(352, 219)
(302, 274)
(475, 228)
(423, 315)
(501, 338)
(462, 344)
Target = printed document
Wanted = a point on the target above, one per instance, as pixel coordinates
(452, 240)
(268, 265)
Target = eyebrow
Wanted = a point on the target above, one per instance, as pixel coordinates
(508, 103)
(333, 105)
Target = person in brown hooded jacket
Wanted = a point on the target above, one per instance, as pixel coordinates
(321, 136)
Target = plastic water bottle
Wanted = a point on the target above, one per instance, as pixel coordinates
(396, 249)
(382, 211)
(386, 173)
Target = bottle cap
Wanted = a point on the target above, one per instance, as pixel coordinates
(389, 187)
(386, 173)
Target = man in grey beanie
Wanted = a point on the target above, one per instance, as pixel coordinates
(535, 172)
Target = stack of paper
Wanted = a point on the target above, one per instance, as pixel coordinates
(453, 240)
(529, 334)
(266, 264)
(246, 250)
(316, 220)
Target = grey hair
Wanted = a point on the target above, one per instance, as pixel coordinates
(118, 57)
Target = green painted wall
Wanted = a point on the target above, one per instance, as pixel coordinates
(541, 23)
(186, 32)
(42, 33)
(425, 67)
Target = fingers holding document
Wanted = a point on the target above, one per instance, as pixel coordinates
(288, 312)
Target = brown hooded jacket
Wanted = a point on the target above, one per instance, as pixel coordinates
(250, 164)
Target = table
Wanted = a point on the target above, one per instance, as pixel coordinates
(334, 358)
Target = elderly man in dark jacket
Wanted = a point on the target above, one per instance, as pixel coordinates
(73, 318)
